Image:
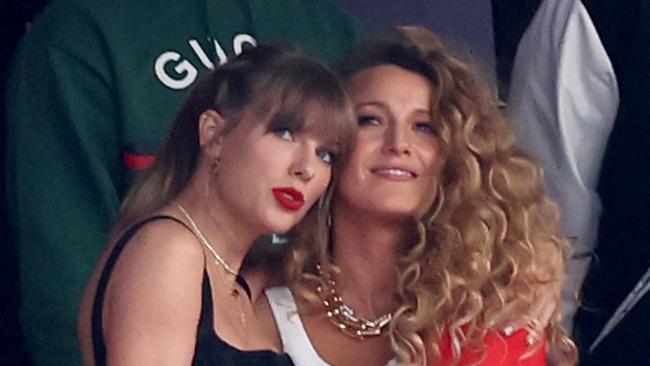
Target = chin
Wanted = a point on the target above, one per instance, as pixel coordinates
(280, 225)
(402, 214)
(396, 207)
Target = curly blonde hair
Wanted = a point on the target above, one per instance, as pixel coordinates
(489, 243)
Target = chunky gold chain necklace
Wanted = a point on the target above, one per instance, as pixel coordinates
(342, 316)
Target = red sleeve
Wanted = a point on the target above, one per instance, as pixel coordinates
(500, 351)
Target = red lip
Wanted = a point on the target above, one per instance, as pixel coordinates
(289, 198)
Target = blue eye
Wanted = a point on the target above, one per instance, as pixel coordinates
(283, 133)
(326, 156)
(425, 127)
(368, 121)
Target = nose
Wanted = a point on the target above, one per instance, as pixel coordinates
(396, 140)
(303, 165)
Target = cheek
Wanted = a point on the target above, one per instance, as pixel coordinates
(269, 156)
(350, 185)
(429, 155)
(321, 182)
(349, 176)
(431, 170)
(355, 167)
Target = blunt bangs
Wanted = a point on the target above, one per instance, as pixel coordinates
(305, 97)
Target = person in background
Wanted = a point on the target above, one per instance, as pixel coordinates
(578, 88)
(575, 64)
(93, 88)
(442, 246)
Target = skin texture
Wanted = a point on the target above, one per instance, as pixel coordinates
(373, 206)
(152, 304)
(373, 212)
(393, 164)
(252, 162)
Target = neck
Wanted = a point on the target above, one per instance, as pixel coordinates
(231, 237)
(367, 249)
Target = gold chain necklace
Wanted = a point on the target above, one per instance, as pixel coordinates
(219, 261)
(217, 258)
(342, 316)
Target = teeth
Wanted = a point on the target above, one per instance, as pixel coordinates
(397, 172)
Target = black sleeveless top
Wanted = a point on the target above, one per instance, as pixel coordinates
(210, 349)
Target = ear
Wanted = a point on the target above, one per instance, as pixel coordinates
(211, 130)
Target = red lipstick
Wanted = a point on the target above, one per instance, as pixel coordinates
(289, 198)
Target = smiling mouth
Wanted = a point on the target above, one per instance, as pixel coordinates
(394, 173)
(289, 198)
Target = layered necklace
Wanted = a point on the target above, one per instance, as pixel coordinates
(342, 316)
(218, 260)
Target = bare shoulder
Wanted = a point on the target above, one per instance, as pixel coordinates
(153, 297)
(163, 243)
(167, 234)
(162, 255)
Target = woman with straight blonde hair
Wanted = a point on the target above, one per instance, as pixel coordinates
(251, 152)
(443, 248)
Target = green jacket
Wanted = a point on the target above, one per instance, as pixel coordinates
(94, 88)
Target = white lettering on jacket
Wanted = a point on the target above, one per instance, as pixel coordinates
(184, 72)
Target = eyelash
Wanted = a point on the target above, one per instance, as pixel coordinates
(327, 156)
(368, 120)
(426, 127)
(283, 133)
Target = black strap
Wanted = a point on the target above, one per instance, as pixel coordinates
(99, 347)
(206, 319)
(207, 315)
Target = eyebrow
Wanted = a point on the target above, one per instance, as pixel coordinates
(372, 104)
(385, 107)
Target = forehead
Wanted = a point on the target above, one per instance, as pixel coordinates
(391, 85)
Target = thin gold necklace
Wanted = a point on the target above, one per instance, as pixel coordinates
(219, 261)
(343, 316)
(217, 258)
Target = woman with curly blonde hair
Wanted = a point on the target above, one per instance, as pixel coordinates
(442, 243)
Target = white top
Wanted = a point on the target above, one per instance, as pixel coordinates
(564, 97)
(295, 341)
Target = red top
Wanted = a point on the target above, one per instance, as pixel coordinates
(500, 351)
